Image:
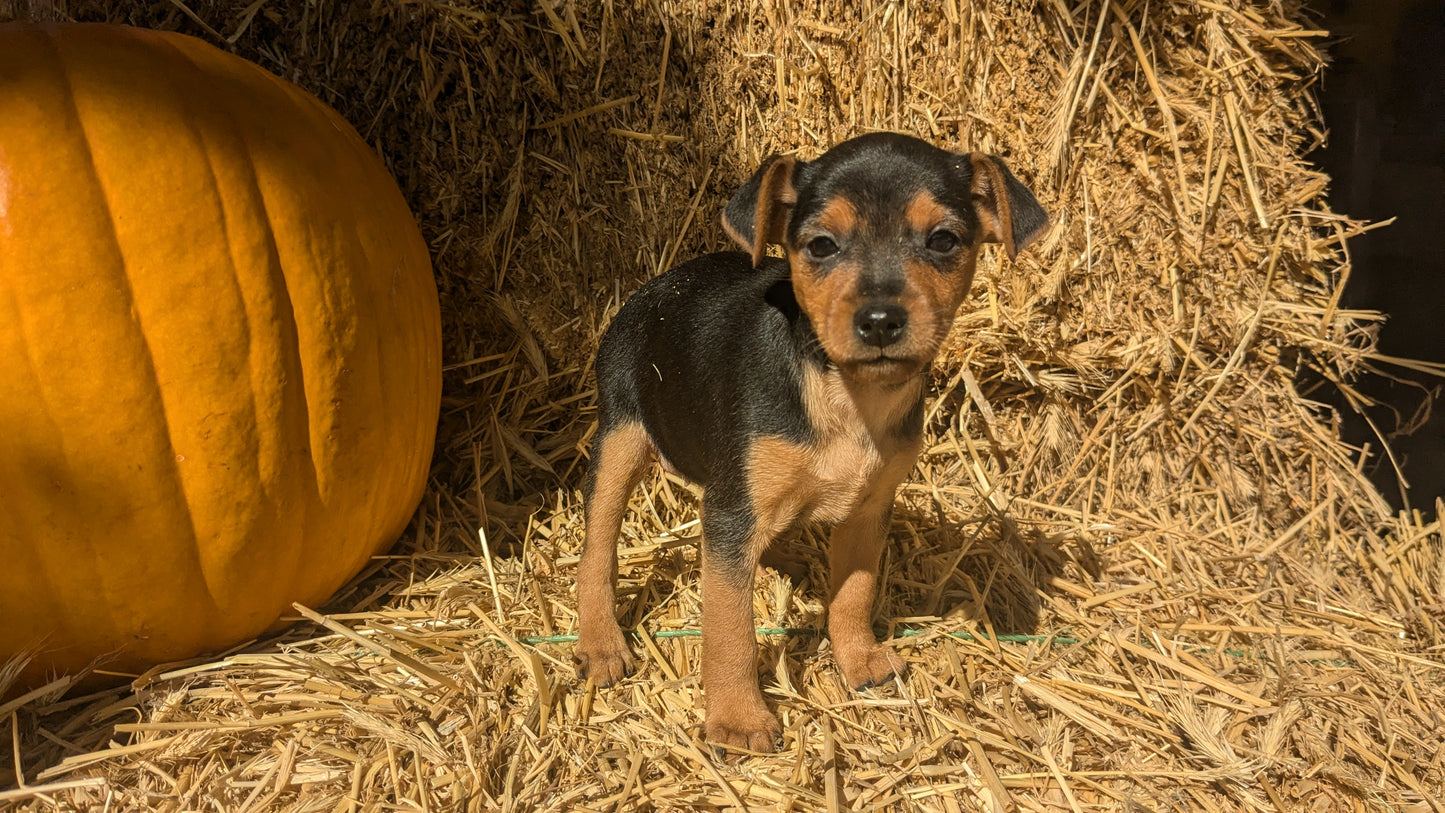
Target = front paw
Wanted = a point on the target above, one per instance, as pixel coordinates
(604, 657)
(866, 667)
(742, 727)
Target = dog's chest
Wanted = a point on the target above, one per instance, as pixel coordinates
(840, 473)
(820, 482)
(852, 458)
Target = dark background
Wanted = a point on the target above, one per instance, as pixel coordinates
(1384, 104)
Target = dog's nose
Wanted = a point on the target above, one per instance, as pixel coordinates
(880, 325)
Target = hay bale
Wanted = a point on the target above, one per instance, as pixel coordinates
(1135, 565)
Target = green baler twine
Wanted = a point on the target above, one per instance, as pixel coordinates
(1052, 640)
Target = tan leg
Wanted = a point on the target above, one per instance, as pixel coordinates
(602, 652)
(736, 714)
(853, 554)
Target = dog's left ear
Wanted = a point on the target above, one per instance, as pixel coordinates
(1007, 211)
(758, 213)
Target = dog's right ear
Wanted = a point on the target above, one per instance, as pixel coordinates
(758, 213)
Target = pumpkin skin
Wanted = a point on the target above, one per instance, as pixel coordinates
(220, 349)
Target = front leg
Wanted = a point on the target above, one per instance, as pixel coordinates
(736, 714)
(853, 554)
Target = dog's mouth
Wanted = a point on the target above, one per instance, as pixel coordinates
(881, 367)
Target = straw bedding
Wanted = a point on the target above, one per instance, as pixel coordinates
(1135, 569)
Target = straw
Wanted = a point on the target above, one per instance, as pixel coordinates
(1134, 568)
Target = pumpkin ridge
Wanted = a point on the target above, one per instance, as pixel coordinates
(118, 596)
(170, 458)
(376, 384)
(266, 461)
(291, 357)
(288, 351)
(287, 315)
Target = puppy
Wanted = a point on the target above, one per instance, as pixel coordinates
(791, 390)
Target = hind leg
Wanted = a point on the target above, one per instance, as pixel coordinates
(602, 652)
(736, 715)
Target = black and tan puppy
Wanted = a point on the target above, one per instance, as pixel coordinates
(790, 390)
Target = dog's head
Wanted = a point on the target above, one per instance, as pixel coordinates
(882, 233)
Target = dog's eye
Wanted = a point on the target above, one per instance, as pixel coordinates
(942, 241)
(821, 247)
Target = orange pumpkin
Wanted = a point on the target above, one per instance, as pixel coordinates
(220, 348)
